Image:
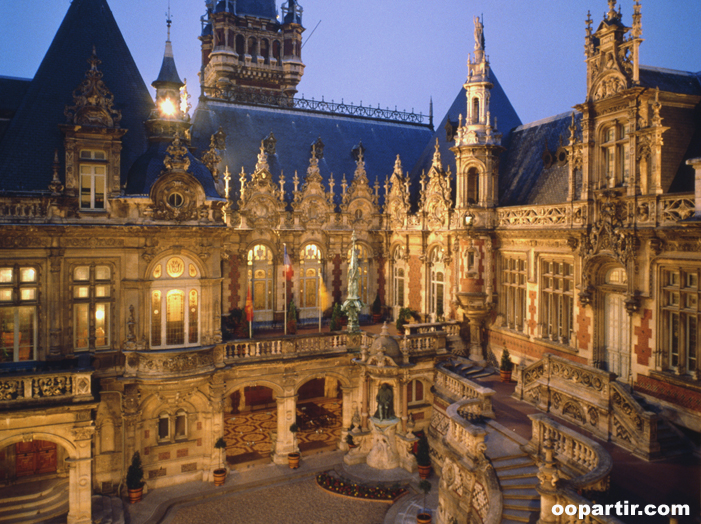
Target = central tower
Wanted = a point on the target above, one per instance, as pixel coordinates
(248, 49)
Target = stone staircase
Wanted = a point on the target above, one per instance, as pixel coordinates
(107, 510)
(671, 440)
(517, 477)
(467, 368)
(34, 502)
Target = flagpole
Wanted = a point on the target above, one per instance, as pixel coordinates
(250, 321)
(318, 293)
(284, 246)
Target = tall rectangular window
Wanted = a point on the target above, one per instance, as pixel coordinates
(557, 300)
(513, 290)
(93, 179)
(680, 319)
(92, 293)
(18, 313)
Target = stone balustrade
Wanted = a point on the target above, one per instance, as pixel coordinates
(23, 209)
(565, 215)
(457, 387)
(285, 347)
(71, 386)
(587, 460)
(592, 399)
(465, 438)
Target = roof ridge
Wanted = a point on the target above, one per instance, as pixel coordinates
(546, 120)
(671, 71)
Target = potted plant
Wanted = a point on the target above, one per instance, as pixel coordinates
(220, 472)
(135, 479)
(377, 309)
(424, 517)
(423, 457)
(506, 366)
(404, 316)
(292, 318)
(293, 458)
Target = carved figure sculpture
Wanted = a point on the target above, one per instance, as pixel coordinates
(385, 403)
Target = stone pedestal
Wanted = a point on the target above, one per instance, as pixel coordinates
(382, 448)
(476, 309)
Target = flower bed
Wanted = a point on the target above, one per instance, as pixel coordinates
(346, 488)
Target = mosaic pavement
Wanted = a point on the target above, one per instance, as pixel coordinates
(248, 434)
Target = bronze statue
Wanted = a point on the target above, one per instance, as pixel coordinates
(385, 403)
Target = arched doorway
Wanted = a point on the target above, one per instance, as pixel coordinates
(35, 478)
(319, 414)
(250, 425)
(615, 336)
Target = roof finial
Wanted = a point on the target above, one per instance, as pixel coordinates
(169, 20)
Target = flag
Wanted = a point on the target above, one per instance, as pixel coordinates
(323, 295)
(249, 305)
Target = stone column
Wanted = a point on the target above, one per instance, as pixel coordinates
(548, 475)
(403, 402)
(80, 478)
(696, 164)
(364, 401)
(347, 416)
(286, 416)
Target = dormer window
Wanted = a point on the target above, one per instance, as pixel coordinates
(616, 155)
(93, 179)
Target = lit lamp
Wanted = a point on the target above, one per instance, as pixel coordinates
(167, 107)
(469, 220)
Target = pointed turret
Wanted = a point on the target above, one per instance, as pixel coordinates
(170, 117)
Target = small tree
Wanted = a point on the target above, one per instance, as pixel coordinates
(294, 428)
(423, 457)
(135, 473)
(292, 318)
(425, 486)
(220, 444)
(405, 314)
(506, 363)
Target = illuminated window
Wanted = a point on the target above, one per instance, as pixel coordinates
(18, 313)
(92, 294)
(398, 273)
(437, 272)
(310, 269)
(175, 303)
(93, 179)
(260, 275)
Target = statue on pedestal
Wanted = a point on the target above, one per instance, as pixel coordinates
(385, 403)
(352, 306)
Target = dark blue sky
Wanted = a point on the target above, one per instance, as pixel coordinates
(392, 52)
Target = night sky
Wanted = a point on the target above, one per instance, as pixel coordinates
(390, 52)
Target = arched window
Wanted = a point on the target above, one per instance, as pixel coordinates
(253, 48)
(398, 277)
(260, 277)
(310, 269)
(265, 50)
(475, 110)
(175, 299)
(473, 186)
(163, 426)
(415, 392)
(240, 47)
(181, 424)
(437, 272)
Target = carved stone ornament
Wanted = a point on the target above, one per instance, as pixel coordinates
(176, 156)
(211, 158)
(93, 101)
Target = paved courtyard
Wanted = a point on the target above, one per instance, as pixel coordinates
(297, 501)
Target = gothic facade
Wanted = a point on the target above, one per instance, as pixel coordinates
(129, 235)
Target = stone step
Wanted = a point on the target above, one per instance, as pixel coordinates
(519, 516)
(514, 464)
(520, 492)
(521, 504)
(519, 483)
(28, 491)
(518, 473)
(511, 457)
(41, 508)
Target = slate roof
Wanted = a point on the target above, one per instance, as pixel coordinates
(670, 80)
(148, 167)
(12, 91)
(499, 106)
(257, 8)
(296, 131)
(27, 149)
(523, 178)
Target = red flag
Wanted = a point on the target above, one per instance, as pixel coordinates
(249, 305)
(288, 263)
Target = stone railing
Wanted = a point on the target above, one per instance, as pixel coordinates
(587, 461)
(285, 347)
(174, 362)
(589, 398)
(564, 215)
(570, 465)
(42, 387)
(458, 388)
(675, 208)
(22, 209)
(465, 438)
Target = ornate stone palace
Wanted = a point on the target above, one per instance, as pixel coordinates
(131, 229)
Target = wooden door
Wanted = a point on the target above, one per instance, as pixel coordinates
(37, 456)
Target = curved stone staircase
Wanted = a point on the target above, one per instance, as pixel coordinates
(517, 477)
(34, 502)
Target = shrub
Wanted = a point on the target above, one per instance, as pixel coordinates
(135, 473)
